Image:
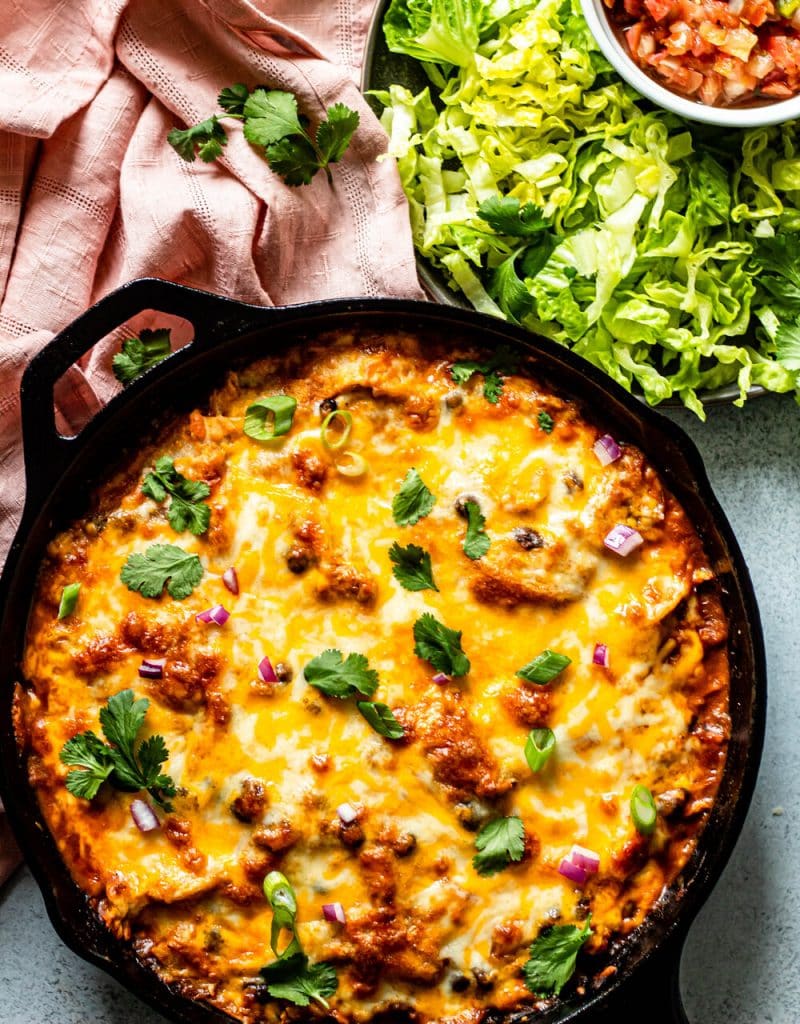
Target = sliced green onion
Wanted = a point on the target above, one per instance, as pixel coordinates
(334, 438)
(257, 423)
(355, 466)
(643, 810)
(538, 747)
(283, 902)
(69, 598)
(544, 667)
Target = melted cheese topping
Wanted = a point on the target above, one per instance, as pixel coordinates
(262, 768)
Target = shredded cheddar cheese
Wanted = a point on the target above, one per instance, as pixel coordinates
(261, 767)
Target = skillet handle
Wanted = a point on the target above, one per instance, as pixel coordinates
(47, 452)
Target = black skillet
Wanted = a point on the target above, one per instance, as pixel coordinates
(61, 473)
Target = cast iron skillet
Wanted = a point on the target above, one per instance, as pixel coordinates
(61, 472)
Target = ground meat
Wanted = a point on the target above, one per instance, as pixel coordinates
(145, 634)
(99, 655)
(276, 837)
(251, 802)
(377, 870)
(631, 857)
(422, 412)
(178, 831)
(400, 843)
(449, 739)
(507, 937)
(713, 630)
(342, 580)
(381, 945)
(528, 706)
(309, 469)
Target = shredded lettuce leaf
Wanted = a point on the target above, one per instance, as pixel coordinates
(549, 193)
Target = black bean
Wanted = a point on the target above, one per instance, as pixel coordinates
(283, 672)
(628, 910)
(527, 538)
(327, 406)
(453, 399)
(405, 844)
(460, 983)
(483, 979)
(461, 503)
(298, 561)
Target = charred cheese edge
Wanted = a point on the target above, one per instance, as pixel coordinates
(261, 768)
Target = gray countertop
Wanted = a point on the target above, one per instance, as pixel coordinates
(741, 960)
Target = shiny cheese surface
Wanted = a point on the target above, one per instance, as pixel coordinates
(261, 768)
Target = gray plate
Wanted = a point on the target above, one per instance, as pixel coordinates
(383, 68)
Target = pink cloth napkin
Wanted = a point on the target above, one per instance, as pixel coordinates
(92, 196)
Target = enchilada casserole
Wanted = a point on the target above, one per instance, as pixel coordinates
(385, 681)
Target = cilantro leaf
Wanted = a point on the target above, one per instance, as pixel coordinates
(334, 134)
(160, 563)
(545, 421)
(294, 160)
(787, 341)
(544, 667)
(336, 677)
(509, 291)
(499, 843)
(508, 217)
(186, 510)
(413, 501)
(118, 760)
(494, 369)
(271, 115)
(476, 542)
(381, 718)
(69, 600)
(91, 758)
(412, 567)
(298, 981)
(139, 354)
(205, 140)
(233, 99)
(553, 956)
(440, 646)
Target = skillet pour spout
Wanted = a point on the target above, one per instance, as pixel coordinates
(62, 471)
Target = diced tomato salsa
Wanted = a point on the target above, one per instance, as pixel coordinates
(717, 52)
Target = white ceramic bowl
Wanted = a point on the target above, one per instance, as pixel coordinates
(730, 117)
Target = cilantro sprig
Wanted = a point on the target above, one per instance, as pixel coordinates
(440, 645)
(493, 370)
(499, 843)
(187, 510)
(412, 567)
(341, 677)
(272, 121)
(119, 761)
(413, 501)
(381, 718)
(476, 542)
(553, 957)
(139, 354)
(509, 217)
(162, 564)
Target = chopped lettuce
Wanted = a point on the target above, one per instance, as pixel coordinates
(550, 193)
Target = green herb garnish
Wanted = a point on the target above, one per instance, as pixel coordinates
(545, 421)
(334, 434)
(539, 748)
(338, 677)
(381, 718)
(643, 810)
(281, 898)
(260, 425)
(187, 510)
(160, 564)
(553, 956)
(476, 542)
(119, 761)
(499, 843)
(508, 217)
(298, 981)
(413, 501)
(501, 364)
(69, 599)
(440, 645)
(139, 354)
(271, 120)
(412, 567)
(544, 667)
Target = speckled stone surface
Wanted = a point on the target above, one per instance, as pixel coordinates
(741, 964)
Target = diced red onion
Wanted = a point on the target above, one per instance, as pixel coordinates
(218, 614)
(586, 859)
(441, 678)
(144, 816)
(334, 912)
(607, 450)
(152, 668)
(574, 872)
(623, 539)
(231, 580)
(203, 616)
(266, 673)
(600, 656)
(347, 813)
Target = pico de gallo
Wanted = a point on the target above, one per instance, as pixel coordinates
(717, 52)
